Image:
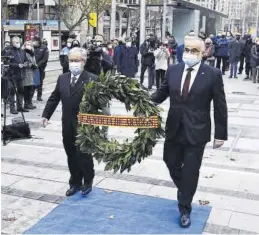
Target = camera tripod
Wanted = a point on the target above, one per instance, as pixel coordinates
(11, 130)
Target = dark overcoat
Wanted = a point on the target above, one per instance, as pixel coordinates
(128, 62)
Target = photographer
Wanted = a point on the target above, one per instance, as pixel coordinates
(6, 48)
(16, 73)
(148, 60)
(42, 56)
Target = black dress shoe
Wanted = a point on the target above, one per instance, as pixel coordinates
(185, 220)
(86, 189)
(13, 111)
(29, 106)
(73, 190)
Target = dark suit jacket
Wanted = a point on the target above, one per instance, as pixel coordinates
(70, 99)
(194, 111)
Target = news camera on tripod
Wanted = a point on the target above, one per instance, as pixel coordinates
(97, 60)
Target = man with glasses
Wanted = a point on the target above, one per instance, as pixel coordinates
(191, 86)
(69, 90)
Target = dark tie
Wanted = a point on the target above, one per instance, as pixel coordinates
(186, 84)
(73, 82)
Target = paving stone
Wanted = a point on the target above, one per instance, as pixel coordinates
(249, 222)
(219, 217)
(254, 107)
(8, 180)
(33, 195)
(247, 144)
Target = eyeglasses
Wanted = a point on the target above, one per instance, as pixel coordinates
(192, 50)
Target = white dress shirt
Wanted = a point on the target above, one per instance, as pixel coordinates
(77, 76)
(193, 75)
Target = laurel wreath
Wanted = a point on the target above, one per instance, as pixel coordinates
(118, 156)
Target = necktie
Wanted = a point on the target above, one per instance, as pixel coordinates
(186, 84)
(73, 81)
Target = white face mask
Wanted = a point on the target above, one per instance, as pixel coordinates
(17, 45)
(69, 44)
(128, 44)
(110, 46)
(98, 43)
(191, 59)
(75, 68)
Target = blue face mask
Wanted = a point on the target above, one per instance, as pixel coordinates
(191, 59)
(75, 68)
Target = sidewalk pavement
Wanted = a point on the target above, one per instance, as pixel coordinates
(35, 175)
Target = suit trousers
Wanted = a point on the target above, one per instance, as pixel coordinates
(184, 162)
(18, 85)
(160, 75)
(151, 74)
(224, 60)
(28, 90)
(81, 165)
(241, 64)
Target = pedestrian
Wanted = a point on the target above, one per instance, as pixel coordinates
(188, 127)
(42, 56)
(248, 49)
(242, 57)
(148, 60)
(16, 73)
(255, 61)
(221, 52)
(208, 56)
(69, 90)
(161, 62)
(63, 57)
(28, 82)
(117, 49)
(173, 45)
(7, 46)
(128, 59)
(235, 50)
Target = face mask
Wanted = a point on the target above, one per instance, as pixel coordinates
(190, 59)
(128, 44)
(17, 45)
(110, 47)
(69, 44)
(28, 47)
(98, 43)
(75, 68)
(104, 49)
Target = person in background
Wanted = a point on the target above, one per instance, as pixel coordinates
(75, 43)
(44, 42)
(63, 57)
(148, 60)
(42, 56)
(173, 45)
(29, 75)
(110, 50)
(7, 46)
(161, 60)
(221, 52)
(202, 35)
(128, 59)
(242, 56)
(255, 61)
(16, 73)
(235, 49)
(208, 55)
(117, 49)
(248, 48)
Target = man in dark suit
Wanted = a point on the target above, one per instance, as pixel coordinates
(69, 90)
(191, 86)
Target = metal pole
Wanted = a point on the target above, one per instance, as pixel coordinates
(59, 30)
(257, 16)
(142, 21)
(244, 18)
(164, 21)
(113, 20)
(38, 11)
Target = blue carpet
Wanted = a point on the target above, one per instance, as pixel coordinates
(118, 213)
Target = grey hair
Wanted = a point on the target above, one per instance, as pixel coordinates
(82, 51)
(195, 38)
(15, 38)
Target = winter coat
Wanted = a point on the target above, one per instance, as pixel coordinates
(235, 50)
(221, 48)
(128, 61)
(116, 55)
(173, 45)
(161, 58)
(41, 56)
(179, 53)
(147, 52)
(29, 70)
(18, 57)
(248, 48)
(255, 56)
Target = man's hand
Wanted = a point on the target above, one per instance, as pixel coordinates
(44, 122)
(218, 143)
